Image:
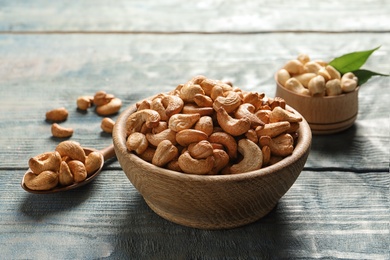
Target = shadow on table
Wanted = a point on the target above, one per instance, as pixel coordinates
(41, 206)
(152, 237)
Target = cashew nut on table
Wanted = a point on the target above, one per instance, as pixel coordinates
(209, 127)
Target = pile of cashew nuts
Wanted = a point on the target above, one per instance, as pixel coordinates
(207, 126)
(66, 165)
(315, 78)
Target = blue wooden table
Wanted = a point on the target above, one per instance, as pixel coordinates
(52, 52)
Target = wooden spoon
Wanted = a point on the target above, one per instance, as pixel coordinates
(107, 153)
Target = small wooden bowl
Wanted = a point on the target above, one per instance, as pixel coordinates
(207, 201)
(325, 115)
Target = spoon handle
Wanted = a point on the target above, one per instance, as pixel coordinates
(108, 152)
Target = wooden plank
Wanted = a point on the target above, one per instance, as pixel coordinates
(324, 215)
(194, 16)
(41, 72)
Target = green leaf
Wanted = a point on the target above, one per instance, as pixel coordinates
(364, 75)
(351, 61)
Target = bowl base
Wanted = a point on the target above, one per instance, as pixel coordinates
(325, 129)
(211, 222)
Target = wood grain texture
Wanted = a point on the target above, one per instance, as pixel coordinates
(194, 16)
(53, 51)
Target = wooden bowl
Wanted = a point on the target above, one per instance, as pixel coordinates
(325, 115)
(207, 201)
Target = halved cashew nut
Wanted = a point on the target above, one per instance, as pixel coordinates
(165, 152)
(93, 162)
(65, 176)
(71, 149)
(195, 166)
(232, 125)
(57, 115)
(254, 98)
(110, 108)
(49, 161)
(78, 170)
(61, 132)
(221, 160)
(180, 122)
(107, 125)
(136, 120)
(205, 124)
(46, 180)
(84, 102)
(188, 136)
(137, 142)
(253, 157)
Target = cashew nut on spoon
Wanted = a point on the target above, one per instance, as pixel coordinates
(106, 153)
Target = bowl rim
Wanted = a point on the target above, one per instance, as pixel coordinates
(302, 146)
(311, 97)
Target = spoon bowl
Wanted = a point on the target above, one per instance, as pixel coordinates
(106, 153)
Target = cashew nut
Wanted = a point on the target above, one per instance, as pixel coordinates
(294, 85)
(101, 98)
(71, 149)
(165, 152)
(57, 115)
(254, 98)
(180, 122)
(188, 136)
(194, 109)
(61, 132)
(136, 120)
(253, 157)
(281, 145)
(205, 124)
(273, 129)
(282, 76)
(78, 170)
(221, 160)
(230, 102)
(232, 125)
(46, 180)
(173, 105)
(167, 134)
(247, 110)
(200, 150)
(195, 166)
(188, 92)
(316, 86)
(93, 162)
(280, 114)
(65, 176)
(348, 82)
(333, 73)
(84, 102)
(203, 100)
(333, 87)
(110, 108)
(137, 142)
(305, 78)
(107, 125)
(49, 161)
(227, 141)
(294, 67)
